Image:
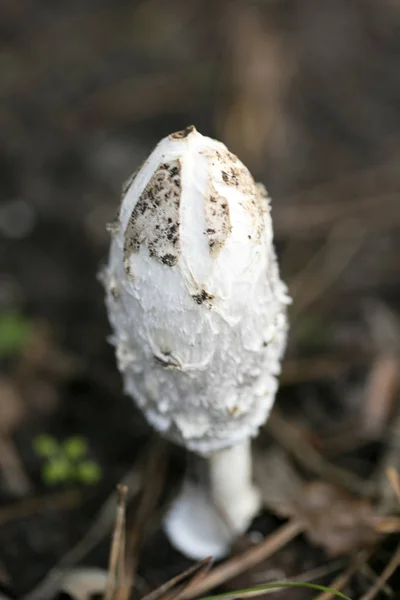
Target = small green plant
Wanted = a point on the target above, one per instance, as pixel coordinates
(66, 462)
(14, 333)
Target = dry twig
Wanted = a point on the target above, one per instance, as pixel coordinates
(370, 574)
(239, 564)
(162, 591)
(341, 580)
(118, 545)
(381, 395)
(101, 526)
(382, 579)
(394, 478)
(153, 482)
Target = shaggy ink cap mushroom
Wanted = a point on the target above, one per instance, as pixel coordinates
(198, 313)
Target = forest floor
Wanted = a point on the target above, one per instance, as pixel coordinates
(307, 94)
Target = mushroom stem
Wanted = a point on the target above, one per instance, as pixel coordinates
(204, 520)
(231, 487)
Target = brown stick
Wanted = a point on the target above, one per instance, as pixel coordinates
(117, 551)
(243, 562)
(382, 579)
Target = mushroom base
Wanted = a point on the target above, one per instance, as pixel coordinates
(204, 520)
(194, 526)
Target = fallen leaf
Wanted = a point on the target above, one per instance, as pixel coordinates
(335, 520)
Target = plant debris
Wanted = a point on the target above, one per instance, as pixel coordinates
(306, 94)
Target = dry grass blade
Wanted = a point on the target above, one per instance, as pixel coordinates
(98, 531)
(117, 551)
(310, 575)
(243, 562)
(153, 481)
(294, 441)
(260, 590)
(370, 574)
(381, 395)
(303, 578)
(197, 577)
(386, 525)
(382, 579)
(200, 567)
(341, 580)
(394, 478)
(276, 586)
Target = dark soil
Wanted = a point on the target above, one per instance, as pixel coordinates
(308, 94)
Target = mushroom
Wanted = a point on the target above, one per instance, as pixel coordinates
(198, 313)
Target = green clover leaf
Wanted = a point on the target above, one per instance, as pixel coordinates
(75, 447)
(56, 470)
(46, 446)
(88, 472)
(14, 332)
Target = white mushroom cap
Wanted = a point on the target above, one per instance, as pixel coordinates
(194, 295)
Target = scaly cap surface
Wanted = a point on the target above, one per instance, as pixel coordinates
(194, 295)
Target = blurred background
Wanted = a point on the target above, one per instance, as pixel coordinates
(307, 94)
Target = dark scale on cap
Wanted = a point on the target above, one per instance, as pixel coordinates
(180, 135)
(234, 174)
(169, 259)
(218, 224)
(227, 169)
(202, 297)
(167, 360)
(155, 219)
